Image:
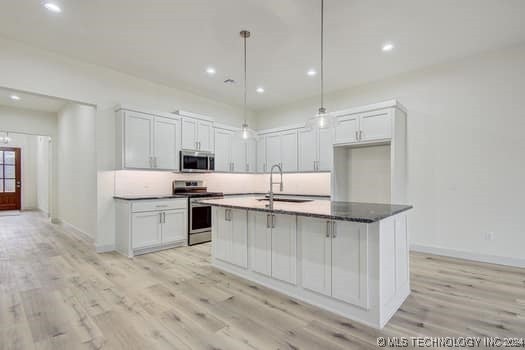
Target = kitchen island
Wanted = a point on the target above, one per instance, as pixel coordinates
(349, 258)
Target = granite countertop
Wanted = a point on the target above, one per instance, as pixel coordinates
(153, 196)
(279, 194)
(324, 209)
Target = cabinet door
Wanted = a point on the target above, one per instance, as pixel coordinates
(138, 140)
(251, 155)
(146, 229)
(376, 125)
(239, 251)
(325, 146)
(223, 146)
(289, 151)
(307, 149)
(349, 263)
(261, 155)
(261, 243)
(166, 143)
(284, 257)
(316, 250)
(273, 150)
(189, 133)
(347, 129)
(223, 240)
(205, 136)
(174, 227)
(238, 154)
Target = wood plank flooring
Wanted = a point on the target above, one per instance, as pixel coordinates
(57, 293)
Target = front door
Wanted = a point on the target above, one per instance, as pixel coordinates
(10, 178)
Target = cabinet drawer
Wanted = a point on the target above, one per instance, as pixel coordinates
(156, 205)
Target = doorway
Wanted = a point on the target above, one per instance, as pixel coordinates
(10, 178)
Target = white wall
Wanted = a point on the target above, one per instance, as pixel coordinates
(465, 135)
(76, 180)
(42, 172)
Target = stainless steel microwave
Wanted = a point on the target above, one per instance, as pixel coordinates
(197, 161)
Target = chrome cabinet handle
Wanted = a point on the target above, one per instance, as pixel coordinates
(163, 217)
(360, 135)
(328, 225)
(225, 214)
(357, 135)
(160, 218)
(334, 229)
(267, 220)
(273, 221)
(155, 162)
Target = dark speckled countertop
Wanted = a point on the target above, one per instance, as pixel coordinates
(324, 209)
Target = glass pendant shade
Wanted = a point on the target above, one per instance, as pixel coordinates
(322, 120)
(246, 132)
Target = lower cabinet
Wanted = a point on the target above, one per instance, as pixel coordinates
(335, 264)
(231, 236)
(273, 245)
(145, 226)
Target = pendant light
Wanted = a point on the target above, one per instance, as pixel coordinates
(245, 132)
(322, 120)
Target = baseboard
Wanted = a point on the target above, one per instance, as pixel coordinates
(486, 258)
(105, 248)
(83, 235)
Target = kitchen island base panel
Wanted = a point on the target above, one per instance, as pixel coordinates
(372, 291)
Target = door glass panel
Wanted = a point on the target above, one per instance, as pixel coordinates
(9, 171)
(10, 185)
(1, 185)
(1, 157)
(200, 218)
(9, 157)
(1, 172)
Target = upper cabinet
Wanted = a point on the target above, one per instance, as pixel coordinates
(364, 127)
(233, 154)
(197, 134)
(147, 141)
(315, 149)
(281, 149)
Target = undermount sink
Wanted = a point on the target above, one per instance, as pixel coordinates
(289, 200)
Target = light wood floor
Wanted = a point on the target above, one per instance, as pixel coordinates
(56, 293)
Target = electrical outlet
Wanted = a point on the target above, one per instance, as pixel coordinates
(489, 236)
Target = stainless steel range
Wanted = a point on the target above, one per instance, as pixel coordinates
(199, 217)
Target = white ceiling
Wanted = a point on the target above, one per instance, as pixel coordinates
(31, 101)
(172, 42)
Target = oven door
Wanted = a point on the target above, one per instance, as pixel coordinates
(200, 218)
(191, 162)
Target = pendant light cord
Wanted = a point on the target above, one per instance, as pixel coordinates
(244, 105)
(322, 54)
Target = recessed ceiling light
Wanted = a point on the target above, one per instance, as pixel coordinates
(210, 70)
(388, 47)
(311, 72)
(15, 97)
(260, 89)
(52, 7)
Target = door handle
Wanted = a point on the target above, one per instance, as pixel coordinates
(328, 224)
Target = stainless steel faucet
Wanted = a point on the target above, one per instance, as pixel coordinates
(270, 194)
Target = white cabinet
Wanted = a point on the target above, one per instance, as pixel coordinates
(316, 250)
(223, 150)
(232, 153)
(261, 242)
(261, 154)
(166, 147)
(197, 134)
(144, 226)
(364, 127)
(146, 229)
(315, 149)
(231, 236)
(284, 257)
(281, 148)
(146, 141)
(334, 259)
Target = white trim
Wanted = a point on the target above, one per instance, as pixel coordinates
(225, 127)
(193, 115)
(104, 248)
(65, 225)
(130, 108)
(281, 128)
(485, 258)
(372, 107)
